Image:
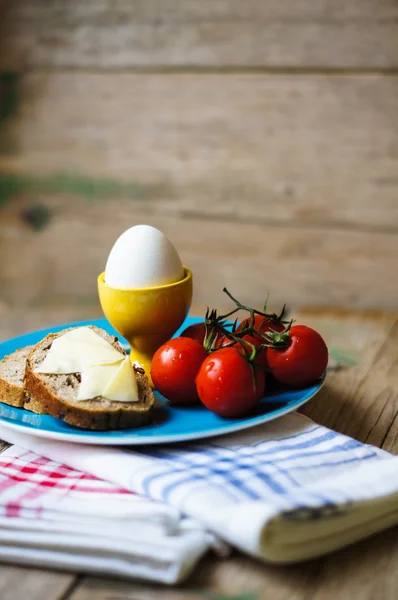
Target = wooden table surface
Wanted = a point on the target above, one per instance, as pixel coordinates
(359, 399)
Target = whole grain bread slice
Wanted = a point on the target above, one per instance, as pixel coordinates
(57, 393)
(12, 373)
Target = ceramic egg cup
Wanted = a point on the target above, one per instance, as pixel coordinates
(146, 317)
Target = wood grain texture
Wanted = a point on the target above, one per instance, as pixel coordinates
(238, 578)
(19, 583)
(275, 149)
(209, 33)
(362, 401)
(361, 570)
(354, 340)
(386, 427)
(300, 266)
(377, 399)
(360, 398)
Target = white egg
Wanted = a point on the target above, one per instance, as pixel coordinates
(142, 257)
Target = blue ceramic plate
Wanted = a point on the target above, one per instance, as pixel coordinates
(170, 424)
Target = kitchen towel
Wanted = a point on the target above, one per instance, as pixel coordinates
(285, 491)
(55, 516)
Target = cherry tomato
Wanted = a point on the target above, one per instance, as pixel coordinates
(263, 325)
(197, 332)
(221, 341)
(303, 361)
(174, 368)
(261, 357)
(227, 385)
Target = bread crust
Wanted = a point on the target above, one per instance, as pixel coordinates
(12, 393)
(98, 414)
(33, 404)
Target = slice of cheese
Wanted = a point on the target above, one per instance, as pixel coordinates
(77, 350)
(123, 385)
(95, 379)
(116, 381)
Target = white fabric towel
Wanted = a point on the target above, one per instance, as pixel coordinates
(54, 516)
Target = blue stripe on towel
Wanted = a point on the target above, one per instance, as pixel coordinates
(253, 472)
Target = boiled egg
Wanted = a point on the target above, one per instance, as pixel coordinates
(143, 257)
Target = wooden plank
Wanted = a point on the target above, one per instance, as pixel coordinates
(308, 151)
(363, 571)
(210, 33)
(362, 401)
(106, 589)
(238, 578)
(354, 340)
(300, 266)
(18, 583)
(372, 417)
(382, 383)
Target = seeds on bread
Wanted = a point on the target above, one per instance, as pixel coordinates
(56, 394)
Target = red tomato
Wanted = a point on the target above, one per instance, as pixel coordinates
(263, 325)
(197, 332)
(226, 385)
(303, 361)
(261, 357)
(221, 341)
(174, 368)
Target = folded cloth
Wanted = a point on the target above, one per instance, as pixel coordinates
(285, 491)
(52, 515)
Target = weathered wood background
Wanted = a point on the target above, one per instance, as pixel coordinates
(260, 136)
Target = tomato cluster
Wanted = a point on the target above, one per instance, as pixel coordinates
(227, 369)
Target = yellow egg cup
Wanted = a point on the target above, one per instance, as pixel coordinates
(146, 317)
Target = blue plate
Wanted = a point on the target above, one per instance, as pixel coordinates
(170, 424)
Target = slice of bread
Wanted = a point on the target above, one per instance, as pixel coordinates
(12, 373)
(57, 394)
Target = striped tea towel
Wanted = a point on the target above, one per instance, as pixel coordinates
(285, 491)
(54, 516)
